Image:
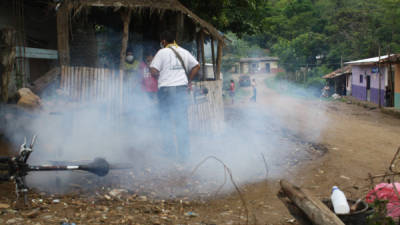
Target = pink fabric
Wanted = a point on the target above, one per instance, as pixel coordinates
(385, 191)
(149, 83)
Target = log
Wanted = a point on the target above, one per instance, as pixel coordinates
(44, 81)
(315, 210)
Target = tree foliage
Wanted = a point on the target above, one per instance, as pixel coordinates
(309, 33)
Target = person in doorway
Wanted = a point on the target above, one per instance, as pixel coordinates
(149, 83)
(253, 85)
(175, 68)
(388, 94)
(131, 64)
(232, 90)
(131, 68)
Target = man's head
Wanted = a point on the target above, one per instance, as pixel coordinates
(129, 56)
(166, 38)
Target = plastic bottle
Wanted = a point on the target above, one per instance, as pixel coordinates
(339, 201)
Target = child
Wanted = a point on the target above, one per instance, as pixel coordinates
(149, 83)
(253, 85)
(232, 90)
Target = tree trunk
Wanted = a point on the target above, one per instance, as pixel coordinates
(316, 211)
(7, 59)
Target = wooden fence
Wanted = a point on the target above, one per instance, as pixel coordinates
(110, 88)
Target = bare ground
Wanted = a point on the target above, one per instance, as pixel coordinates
(358, 142)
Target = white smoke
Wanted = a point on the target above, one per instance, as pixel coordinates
(70, 131)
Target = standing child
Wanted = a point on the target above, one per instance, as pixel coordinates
(253, 85)
(149, 83)
(232, 90)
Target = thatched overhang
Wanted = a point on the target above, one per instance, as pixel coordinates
(199, 30)
(154, 5)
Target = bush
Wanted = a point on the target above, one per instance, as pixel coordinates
(315, 82)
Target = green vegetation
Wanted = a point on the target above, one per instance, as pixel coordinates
(311, 37)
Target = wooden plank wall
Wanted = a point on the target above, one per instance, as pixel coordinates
(94, 85)
(207, 117)
(104, 86)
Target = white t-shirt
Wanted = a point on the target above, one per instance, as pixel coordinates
(171, 69)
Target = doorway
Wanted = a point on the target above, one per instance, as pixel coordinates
(368, 88)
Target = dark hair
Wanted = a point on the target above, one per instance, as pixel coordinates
(168, 36)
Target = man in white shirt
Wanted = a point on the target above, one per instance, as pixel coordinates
(174, 67)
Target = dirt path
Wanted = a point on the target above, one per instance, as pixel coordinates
(358, 140)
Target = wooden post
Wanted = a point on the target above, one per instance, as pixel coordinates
(126, 18)
(198, 53)
(63, 34)
(213, 57)
(203, 57)
(180, 26)
(219, 60)
(316, 211)
(379, 77)
(7, 59)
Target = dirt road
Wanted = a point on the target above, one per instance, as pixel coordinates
(358, 141)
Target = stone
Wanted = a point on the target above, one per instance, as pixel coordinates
(142, 198)
(4, 206)
(117, 193)
(28, 99)
(191, 214)
(14, 220)
(32, 214)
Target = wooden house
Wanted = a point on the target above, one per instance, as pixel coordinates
(393, 65)
(339, 81)
(92, 37)
(260, 65)
(370, 80)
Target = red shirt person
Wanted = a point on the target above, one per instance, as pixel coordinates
(232, 90)
(149, 83)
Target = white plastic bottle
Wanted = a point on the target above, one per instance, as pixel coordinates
(339, 201)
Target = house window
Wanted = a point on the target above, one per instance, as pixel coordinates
(361, 78)
(267, 68)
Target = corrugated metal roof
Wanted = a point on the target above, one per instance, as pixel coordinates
(267, 58)
(339, 72)
(366, 61)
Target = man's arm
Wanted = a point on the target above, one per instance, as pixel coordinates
(154, 72)
(194, 72)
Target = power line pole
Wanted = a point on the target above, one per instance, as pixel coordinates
(380, 78)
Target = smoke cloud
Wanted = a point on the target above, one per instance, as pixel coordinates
(78, 133)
